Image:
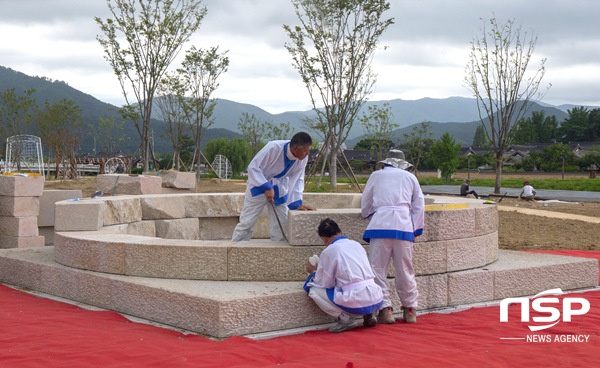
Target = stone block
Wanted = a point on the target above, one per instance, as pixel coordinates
(448, 225)
(269, 261)
(21, 186)
(8, 242)
(433, 291)
(163, 207)
(328, 201)
(462, 254)
(142, 228)
(214, 205)
(174, 191)
(82, 215)
(302, 225)
(19, 206)
(165, 258)
(471, 286)
(262, 228)
(491, 248)
(16, 269)
(114, 229)
(429, 258)
(18, 226)
(217, 228)
(47, 201)
(48, 233)
(90, 251)
(187, 229)
(128, 184)
(119, 210)
(178, 179)
(486, 219)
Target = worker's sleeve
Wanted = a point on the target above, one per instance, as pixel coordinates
(297, 184)
(366, 202)
(256, 178)
(417, 207)
(325, 274)
(533, 191)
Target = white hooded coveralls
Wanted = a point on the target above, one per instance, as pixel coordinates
(344, 280)
(273, 167)
(395, 201)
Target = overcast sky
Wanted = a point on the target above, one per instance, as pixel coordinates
(427, 47)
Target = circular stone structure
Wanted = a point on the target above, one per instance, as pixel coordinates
(185, 236)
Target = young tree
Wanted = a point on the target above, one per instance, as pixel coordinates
(480, 139)
(108, 134)
(60, 124)
(419, 144)
(496, 75)
(254, 131)
(199, 72)
(170, 102)
(444, 154)
(377, 123)
(332, 50)
(152, 32)
(281, 132)
(17, 113)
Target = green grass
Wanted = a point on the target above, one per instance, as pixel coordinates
(589, 185)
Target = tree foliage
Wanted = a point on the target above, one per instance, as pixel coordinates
(236, 150)
(59, 124)
(333, 49)
(378, 126)
(419, 143)
(108, 134)
(496, 74)
(480, 139)
(536, 129)
(254, 131)
(140, 41)
(444, 154)
(17, 113)
(582, 125)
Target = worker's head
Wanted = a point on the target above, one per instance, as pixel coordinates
(300, 145)
(396, 159)
(526, 183)
(468, 181)
(328, 230)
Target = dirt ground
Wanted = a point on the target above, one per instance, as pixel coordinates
(516, 231)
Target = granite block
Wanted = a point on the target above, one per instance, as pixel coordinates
(19, 206)
(187, 229)
(18, 226)
(47, 201)
(81, 215)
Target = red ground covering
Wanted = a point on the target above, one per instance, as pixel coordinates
(37, 332)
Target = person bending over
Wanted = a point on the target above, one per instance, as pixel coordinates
(342, 283)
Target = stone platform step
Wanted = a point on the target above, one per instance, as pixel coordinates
(227, 308)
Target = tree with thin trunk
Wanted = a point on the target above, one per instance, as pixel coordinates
(496, 75)
(170, 102)
(444, 154)
(333, 50)
(199, 72)
(419, 143)
(254, 131)
(140, 41)
(378, 125)
(60, 124)
(108, 133)
(17, 114)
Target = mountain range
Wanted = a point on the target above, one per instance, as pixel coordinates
(457, 115)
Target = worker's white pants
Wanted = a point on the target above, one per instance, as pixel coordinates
(381, 252)
(319, 295)
(253, 207)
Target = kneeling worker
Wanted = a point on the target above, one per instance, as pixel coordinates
(342, 283)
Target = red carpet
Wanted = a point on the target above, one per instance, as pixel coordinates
(37, 332)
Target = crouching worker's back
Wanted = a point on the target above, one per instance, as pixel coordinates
(342, 283)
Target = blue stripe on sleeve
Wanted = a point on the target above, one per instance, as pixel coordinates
(260, 190)
(295, 205)
(309, 279)
(419, 232)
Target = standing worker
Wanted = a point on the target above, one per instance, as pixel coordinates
(527, 193)
(275, 174)
(395, 200)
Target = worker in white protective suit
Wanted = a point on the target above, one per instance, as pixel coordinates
(275, 174)
(342, 283)
(394, 201)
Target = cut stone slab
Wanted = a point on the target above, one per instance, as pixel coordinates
(186, 229)
(214, 205)
(19, 206)
(302, 225)
(174, 191)
(47, 201)
(228, 308)
(8, 242)
(21, 186)
(163, 207)
(142, 228)
(262, 228)
(122, 210)
(19, 226)
(217, 228)
(82, 215)
(178, 179)
(128, 184)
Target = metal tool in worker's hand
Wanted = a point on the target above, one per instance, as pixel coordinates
(279, 222)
